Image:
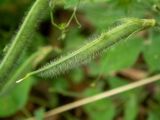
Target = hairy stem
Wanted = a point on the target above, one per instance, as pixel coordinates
(30, 63)
(22, 38)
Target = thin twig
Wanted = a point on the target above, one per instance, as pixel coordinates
(101, 96)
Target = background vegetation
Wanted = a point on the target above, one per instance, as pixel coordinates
(130, 60)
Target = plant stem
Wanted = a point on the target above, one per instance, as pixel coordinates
(28, 65)
(22, 38)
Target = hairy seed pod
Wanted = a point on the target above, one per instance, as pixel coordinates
(93, 48)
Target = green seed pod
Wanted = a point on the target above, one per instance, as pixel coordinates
(93, 48)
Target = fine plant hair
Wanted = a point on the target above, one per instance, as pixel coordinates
(28, 65)
(92, 49)
(23, 36)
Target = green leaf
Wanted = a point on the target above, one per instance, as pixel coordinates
(115, 82)
(131, 107)
(122, 55)
(102, 109)
(128, 50)
(153, 116)
(60, 84)
(157, 92)
(16, 100)
(153, 113)
(152, 52)
(77, 75)
(105, 16)
(130, 98)
(73, 39)
(39, 114)
(70, 3)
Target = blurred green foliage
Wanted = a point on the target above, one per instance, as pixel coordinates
(140, 51)
(16, 99)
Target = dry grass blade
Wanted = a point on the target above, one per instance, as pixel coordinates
(101, 96)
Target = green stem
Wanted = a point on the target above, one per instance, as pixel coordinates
(28, 65)
(22, 38)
